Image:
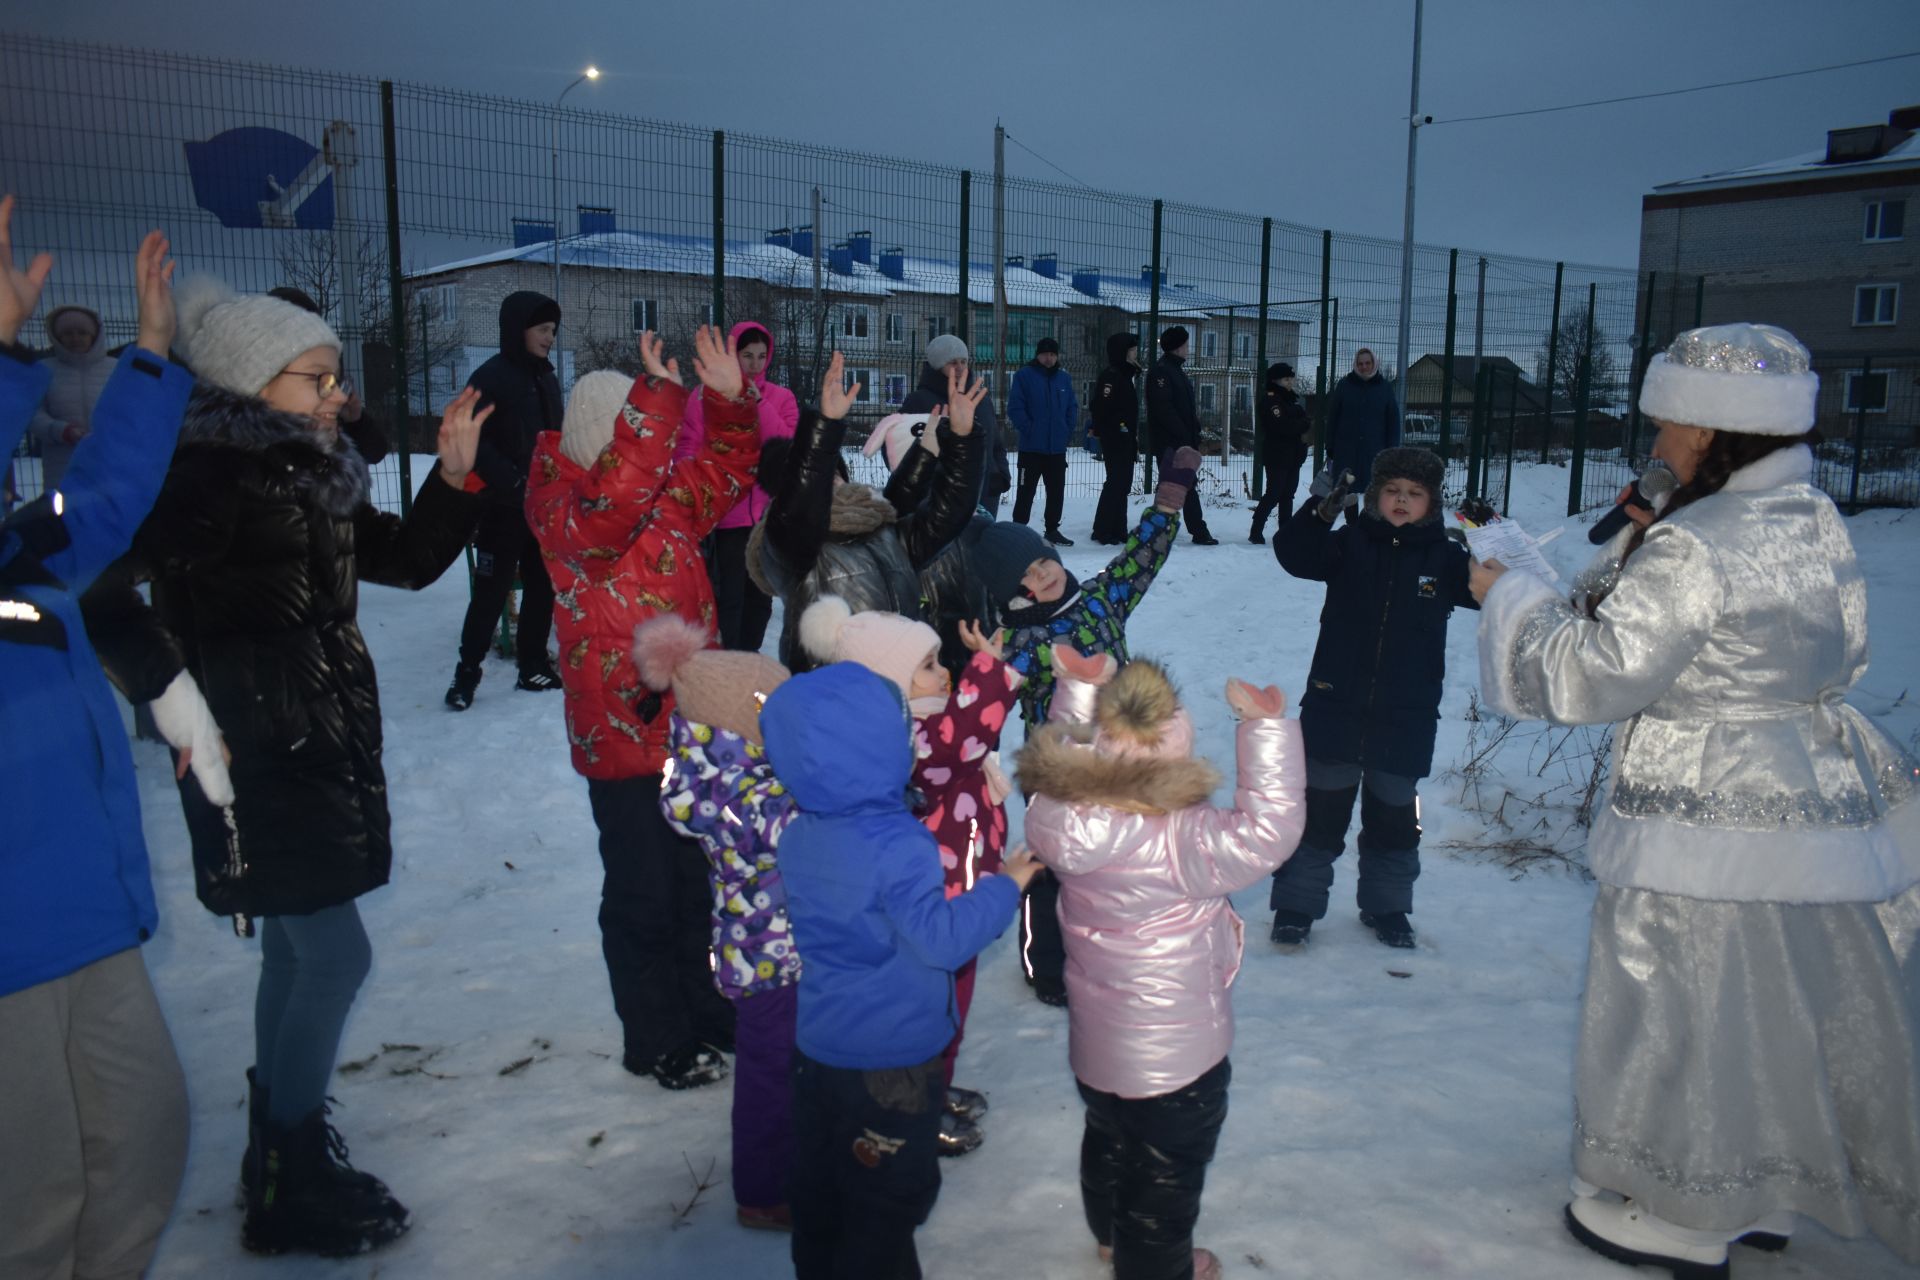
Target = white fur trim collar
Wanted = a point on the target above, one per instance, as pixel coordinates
(1792, 465)
(1765, 404)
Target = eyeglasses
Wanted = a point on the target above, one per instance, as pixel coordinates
(324, 384)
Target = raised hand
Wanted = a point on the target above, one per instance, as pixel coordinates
(836, 400)
(1250, 703)
(460, 436)
(1097, 668)
(981, 639)
(961, 403)
(716, 362)
(153, 285)
(1481, 575)
(650, 349)
(19, 290)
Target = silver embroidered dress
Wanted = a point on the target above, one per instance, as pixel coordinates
(1750, 1034)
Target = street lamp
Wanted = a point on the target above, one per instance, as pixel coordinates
(591, 73)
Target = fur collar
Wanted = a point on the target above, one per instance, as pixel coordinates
(1059, 762)
(1792, 465)
(332, 472)
(858, 511)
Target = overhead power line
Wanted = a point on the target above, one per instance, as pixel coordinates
(1669, 93)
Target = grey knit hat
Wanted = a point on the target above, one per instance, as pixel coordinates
(243, 341)
(944, 350)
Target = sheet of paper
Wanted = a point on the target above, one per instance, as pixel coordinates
(1512, 546)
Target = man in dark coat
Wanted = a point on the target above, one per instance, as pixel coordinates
(1362, 419)
(1116, 425)
(944, 354)
(1171, 420)
(1286, 436)
(1044, 410)
(520, 385)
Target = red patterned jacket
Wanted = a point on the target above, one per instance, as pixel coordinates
(621, 540)
(949, 768)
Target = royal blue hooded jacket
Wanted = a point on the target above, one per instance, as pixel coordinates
(865, 894)
(74, 884)
(1042, 407)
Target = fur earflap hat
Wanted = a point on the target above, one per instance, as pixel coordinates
(1755, 379)
(1138, 715)
(897, 432)
(718, 687)
(887, 644)
(592, 410)
(1404, 462)
(242, 341)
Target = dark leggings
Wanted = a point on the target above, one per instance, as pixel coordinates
(503, 547)
(741, 608)
(1143, 1164)
(311, 967)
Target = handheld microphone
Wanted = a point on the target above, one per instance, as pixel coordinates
(1654, 484)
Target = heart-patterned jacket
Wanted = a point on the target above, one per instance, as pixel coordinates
(950, 753)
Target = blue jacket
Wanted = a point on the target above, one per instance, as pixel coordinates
(1373, 695)
(865, 892)
(1042, 408)
(74, 885)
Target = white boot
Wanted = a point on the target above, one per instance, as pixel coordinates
(1627, 1233)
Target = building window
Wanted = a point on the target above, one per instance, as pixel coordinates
(936, 325)
(896, 328)
(440, 303)
(646, 315)
(1876, 304)
(1866, 392)
(1206, 397)
(1242, 399)
(866, 378)
(896, 388)
(706, 313)
(855, 324)
(1243, 346)
(1209, 345)
(1886, 220)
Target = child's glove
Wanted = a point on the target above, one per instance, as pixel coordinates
(1249, 703)
(1176, 477)
(1094, 669)
(1337, 495)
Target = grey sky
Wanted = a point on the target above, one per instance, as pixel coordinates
(1290, 109)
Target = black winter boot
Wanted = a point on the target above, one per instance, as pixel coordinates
(465, 680)
(690, 1066)
(1290, 929)
(306, 1198)
(257, 1096)
(1391, 927)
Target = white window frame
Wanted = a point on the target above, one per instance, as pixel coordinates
(1209, 400)
(1875, 215)
(1209, 345)
(645, 314)
(1243, 346)
(866, 378)
(1883, 313)
(1242, 398)
(1849, 405)
(936, 325)
(855, 325)
(706, 313)
(896, 389)
(896, 328)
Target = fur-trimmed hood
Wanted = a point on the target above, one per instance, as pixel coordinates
(330, 470)
(1059, 762)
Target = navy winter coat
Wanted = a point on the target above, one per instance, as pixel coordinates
(1043, 408)
(1362, 419)
(1373, 696)
(525, 395)
(864, 886)
(74, 884)
(1171, 420)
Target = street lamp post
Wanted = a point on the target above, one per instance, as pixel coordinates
(591, 73)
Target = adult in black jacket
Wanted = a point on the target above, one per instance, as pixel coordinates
(1115, 408)
(824, 536)
(520, 386)
(947, 355)
(255, 548)
(1286, 437)
(1172, 422)
(1362, 419)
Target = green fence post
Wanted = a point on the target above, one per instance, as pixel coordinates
(397, 302)
(966, 249)
(1153, 336)
(1322, 383)
(1577, 468)
(1553, 357)
(1513, 416)
(1699, 301)
(1333, 347)
(1859, 429)
(1260, 359)
(1639, 371)
(1446, 366)
(720, 229)
(1479, 431)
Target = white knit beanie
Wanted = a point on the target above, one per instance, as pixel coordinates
(1755, 379)
(592, 410)
(242, 341)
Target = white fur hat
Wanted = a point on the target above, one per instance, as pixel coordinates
(593, 408)
(1752, 378)
(242, 341)
(897, 432)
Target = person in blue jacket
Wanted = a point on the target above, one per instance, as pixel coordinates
(93, 1106)
(1372, 704)
(865, 889)
(1043, 409)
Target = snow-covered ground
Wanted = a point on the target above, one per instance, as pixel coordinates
(1393, 1113)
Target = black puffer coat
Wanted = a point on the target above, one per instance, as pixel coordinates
(951, 590)
(255, 548)
(526, 398)
(996, 473)
(1373, 695)
(1172, 422)
(1115, 403)
(1286, 434)
(817, 540)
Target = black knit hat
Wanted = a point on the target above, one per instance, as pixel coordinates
(1001, 556)
(1171, 340)
(1404, 462)
(1279, 370)
(1046, 346)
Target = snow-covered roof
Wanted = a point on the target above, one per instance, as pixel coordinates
(1808, 164)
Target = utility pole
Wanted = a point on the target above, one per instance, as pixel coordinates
(1414, 121)
(999, 264)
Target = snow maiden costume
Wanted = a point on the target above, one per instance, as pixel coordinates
(1750, 1035)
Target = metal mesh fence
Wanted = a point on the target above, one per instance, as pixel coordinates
(409, 212)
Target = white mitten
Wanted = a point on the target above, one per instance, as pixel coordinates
(186, 722)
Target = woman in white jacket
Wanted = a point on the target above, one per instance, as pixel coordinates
(1750, 1034)
(80, 366)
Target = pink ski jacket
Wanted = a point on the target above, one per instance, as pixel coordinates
(779, 416)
